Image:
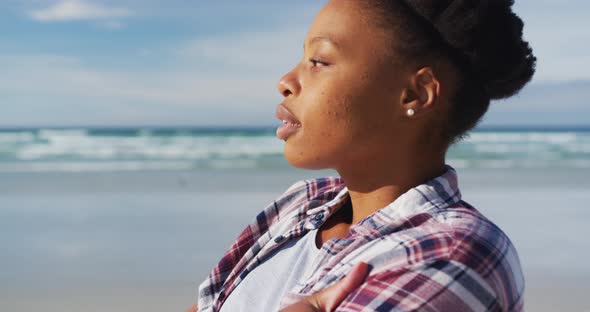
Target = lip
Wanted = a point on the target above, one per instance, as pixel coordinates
(290, 123)
(283, 113)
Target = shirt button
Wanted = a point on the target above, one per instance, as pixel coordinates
(279, 239)
(319, 216)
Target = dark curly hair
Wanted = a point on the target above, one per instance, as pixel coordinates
(481, 38)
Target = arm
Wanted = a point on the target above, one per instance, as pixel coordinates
(441, 285)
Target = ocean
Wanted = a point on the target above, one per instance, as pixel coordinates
(139, 149)
(133, 219)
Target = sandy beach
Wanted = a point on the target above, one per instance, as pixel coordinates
(143, 241)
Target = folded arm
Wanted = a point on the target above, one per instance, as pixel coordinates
(441, 285)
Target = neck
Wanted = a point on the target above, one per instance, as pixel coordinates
(375, 183)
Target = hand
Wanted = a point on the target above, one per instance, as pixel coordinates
(327, 299)
(194, 308)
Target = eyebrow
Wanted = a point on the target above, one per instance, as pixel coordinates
(322, 38)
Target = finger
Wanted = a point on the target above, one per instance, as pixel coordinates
(194, 308)
(331, 297)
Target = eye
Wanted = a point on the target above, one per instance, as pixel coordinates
(317, 63)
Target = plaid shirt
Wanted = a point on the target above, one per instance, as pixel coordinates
(428, 249)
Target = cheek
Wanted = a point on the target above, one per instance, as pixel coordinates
(326, 135)
(343, 119)
(331, 117)
(374, 105)
(335, 132)
(349, 110)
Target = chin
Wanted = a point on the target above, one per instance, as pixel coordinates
(302, 160)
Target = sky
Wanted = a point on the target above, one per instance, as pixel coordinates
(217, 63)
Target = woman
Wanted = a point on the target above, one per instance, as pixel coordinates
(384, 88)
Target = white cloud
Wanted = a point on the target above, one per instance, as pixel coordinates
(111, 25)
(65, 91)
(71, 10)
(260, 52)
(206, 82)
(224, 78)
(558, 33)
(63, 77)
(227, 78)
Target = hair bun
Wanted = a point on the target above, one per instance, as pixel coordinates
(489, 36)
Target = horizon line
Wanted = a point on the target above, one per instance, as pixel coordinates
(263, 127)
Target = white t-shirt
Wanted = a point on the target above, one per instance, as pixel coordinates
(264, 287)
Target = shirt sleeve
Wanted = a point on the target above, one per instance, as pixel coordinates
(438, 285)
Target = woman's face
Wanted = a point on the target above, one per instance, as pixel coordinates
(345, 92)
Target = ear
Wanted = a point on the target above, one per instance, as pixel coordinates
(421, 93)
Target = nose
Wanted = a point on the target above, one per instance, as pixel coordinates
(288, 84)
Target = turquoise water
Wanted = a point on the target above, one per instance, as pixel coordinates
(139, 149)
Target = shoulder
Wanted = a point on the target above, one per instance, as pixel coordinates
(448, 248)
(483, 247)
(477, 240)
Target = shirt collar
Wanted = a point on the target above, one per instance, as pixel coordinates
(436, 194)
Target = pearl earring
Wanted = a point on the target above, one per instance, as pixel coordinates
(411, 112)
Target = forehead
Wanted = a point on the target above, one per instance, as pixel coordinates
(345, 24)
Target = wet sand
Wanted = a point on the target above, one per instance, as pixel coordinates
(144, 241)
